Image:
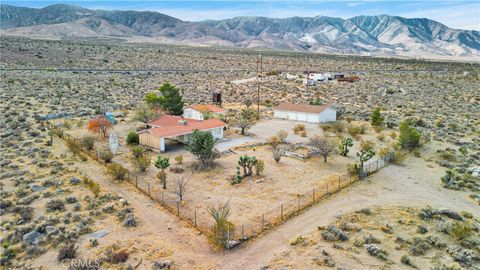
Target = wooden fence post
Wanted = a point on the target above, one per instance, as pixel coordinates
(281, 212)
(162, 197)
(339, 183)
(148, 186)
(298, 203)
(327, 188)
(313, 196)
(263, 220)
(178, 208)
(243, 232)
(195, 219)
(136, 181)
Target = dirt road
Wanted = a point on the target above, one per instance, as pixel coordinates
(412, 185)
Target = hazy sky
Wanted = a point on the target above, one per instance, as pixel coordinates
(455, 14)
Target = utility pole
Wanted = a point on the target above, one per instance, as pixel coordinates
(259, 78)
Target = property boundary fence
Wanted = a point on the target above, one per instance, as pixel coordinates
(200, 219)
(374, 165)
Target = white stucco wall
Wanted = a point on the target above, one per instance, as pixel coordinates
(193, 114)
(328, 115)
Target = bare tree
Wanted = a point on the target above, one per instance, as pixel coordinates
(180, 187)
(322, 146)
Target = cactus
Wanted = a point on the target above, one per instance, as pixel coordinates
(344, 145)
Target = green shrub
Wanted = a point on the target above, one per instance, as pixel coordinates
(137, 151)
(105, 155)
(179, 159)
(409, 137)
(55, 205)
(117, 171)
(88, 142)
(132, 138)
(461, 230)
(141, 163)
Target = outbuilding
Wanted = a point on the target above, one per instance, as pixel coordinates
(305, 113)
(201, 112)
(178, 129)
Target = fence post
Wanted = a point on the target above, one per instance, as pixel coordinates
(263, 220)
(162, 197)
(228, 237)
(313, 196)
(195, 219)
(243, 235)
(136, 181)
(339, 183)
(327, 188)
(281, 212)
(298, 203)
(178, 208)
(148, 187)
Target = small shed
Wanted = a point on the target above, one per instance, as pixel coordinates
(305, 113)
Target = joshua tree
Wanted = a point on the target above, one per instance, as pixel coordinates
(162, 163)
(344, 145)
(247, 163)
(366, 153)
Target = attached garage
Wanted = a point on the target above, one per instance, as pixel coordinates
(305, 113)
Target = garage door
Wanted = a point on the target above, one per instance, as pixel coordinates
(302, 117)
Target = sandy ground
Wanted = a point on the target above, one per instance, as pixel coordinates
(414, 184)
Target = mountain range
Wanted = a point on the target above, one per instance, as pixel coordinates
(376, 35)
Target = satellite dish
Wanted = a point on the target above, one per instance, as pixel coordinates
(113, 142)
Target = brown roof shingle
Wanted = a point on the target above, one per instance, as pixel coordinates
(301, 107)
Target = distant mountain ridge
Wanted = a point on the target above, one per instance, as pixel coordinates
(382, 34)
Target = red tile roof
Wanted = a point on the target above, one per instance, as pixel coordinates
(169, 126)
(301, 108)
(207, 107)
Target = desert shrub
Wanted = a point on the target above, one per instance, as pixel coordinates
(179, 159)
(406, 260)
(259, 167)
(88, 142)
(399, 156)
(381, 137)
(303, 134)
(93, 186)
(176, 169)
(67, 252)
(24, 212)
(298, 128)
(222, 226)
(282, 135)
(384, 151)
(274, 141)
(419, 247)
(353, 169)
(113, 256)
(55, 205)
(74, 146)
(106, 155)
(141, 163)
(409, 137)
(297, 240)
(137, 151)
(132, 138)
(117, 171)
(337, 127)
(461, 230)
(355, 130)
(393, 135)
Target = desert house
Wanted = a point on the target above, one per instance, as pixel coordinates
(201, 112)
(305, 113)
(177, 128)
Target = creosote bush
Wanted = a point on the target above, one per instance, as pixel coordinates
(106, 155)
(117, 171)
(67, 252)
(55, 205)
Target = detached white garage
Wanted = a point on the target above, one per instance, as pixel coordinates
(305, 113)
